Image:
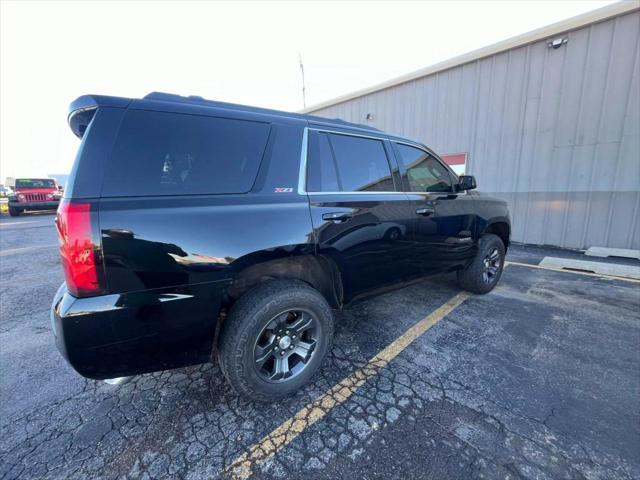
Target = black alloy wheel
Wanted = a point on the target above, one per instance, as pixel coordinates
(275, 339)
(485, 270)
(491, 263)
(285, 346)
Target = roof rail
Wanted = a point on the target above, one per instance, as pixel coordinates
(198, 100)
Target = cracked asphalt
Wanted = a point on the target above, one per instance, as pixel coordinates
(539, 379)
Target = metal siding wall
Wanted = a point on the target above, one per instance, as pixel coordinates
(554, 132)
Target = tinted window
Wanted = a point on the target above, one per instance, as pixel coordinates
(359, 164)
(160, 153)
(321, 169)
(425, 173)
(362, 164)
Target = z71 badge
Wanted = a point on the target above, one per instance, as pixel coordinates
(283, 190)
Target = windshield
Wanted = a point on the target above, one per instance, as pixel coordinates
(36, 183)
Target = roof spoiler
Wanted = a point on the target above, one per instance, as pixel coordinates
(81, 110)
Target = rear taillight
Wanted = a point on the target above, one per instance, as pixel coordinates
(77, 249)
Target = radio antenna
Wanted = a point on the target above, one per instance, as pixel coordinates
(304, 98)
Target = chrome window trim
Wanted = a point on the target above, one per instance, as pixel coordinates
(348, 134)
(419, 146)
(302, 174)
(355, 193)
(438, 194)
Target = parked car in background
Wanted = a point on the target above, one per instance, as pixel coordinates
(5, 191)
(34, 194)
(193, 229)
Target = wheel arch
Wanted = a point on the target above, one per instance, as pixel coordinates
(500, 227)
(297, 263)
(318, 271)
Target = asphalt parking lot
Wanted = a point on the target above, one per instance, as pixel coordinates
(539, 379)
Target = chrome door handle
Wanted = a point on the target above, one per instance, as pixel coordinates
(337, 216)
(425, 212)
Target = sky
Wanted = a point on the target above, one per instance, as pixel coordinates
(242, 52)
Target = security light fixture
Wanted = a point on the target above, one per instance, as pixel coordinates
(557, 42)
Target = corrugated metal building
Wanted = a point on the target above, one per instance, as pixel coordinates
(554, 131)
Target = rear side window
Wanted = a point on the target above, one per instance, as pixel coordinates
(424, 173)
(344, 163)
(322, 176)
(159, 153)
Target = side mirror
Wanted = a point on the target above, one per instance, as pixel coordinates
(466, 182)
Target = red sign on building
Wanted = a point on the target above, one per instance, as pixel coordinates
(457, 161)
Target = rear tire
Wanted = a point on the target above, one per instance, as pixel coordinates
(484, 272)
(14, 212)
(269, 322)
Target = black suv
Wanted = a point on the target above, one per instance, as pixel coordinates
(192, 228)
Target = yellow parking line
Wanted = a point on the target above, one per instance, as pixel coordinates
(563, 270)
(242, 467)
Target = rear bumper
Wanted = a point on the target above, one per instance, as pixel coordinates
(53, 205)
(129, 334)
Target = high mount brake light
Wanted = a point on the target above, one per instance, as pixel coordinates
(77, 250)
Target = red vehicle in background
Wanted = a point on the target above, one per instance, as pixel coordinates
(34, 194)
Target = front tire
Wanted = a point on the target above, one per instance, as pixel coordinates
(275, 339)
(484, 272)
(393, 234)
(14, 212)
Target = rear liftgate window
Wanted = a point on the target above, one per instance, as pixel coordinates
(160, 153)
